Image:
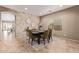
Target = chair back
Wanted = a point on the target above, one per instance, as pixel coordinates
(27, 32)
(30, 33)
(45, 35)
(50, 32)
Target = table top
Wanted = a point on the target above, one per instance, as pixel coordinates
(37, 31)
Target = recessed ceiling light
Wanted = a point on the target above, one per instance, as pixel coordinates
(40, 13)
(25, 8)
(60, 5)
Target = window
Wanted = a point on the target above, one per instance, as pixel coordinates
(8, 21)
(6, 16)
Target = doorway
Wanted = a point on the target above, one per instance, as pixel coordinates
(7, 25)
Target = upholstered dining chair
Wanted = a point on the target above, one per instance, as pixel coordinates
(31, 36)
(50, 28)
(27, 33)
(50, 34)
(45, 36)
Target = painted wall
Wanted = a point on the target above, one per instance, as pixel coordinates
(21, 23)
(70, 22)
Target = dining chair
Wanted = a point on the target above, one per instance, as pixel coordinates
(31, 37)
(50, 34)
(27, 33)
(45, 36)
(50, 28)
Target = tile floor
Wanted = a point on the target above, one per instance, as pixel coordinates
(9, 43)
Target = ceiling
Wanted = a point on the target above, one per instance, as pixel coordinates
(38, 10)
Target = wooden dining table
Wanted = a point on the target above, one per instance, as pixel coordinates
(38, 35)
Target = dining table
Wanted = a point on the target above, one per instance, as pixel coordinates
(38, 34)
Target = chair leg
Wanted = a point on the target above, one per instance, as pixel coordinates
(32, 42)
(38, 41)
(48, 40)
(29, 40)
(44, 41)
(51, 37)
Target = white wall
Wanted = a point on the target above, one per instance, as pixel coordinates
(21, 23)
(70, 22)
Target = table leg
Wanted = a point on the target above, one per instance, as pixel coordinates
(38, 40)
